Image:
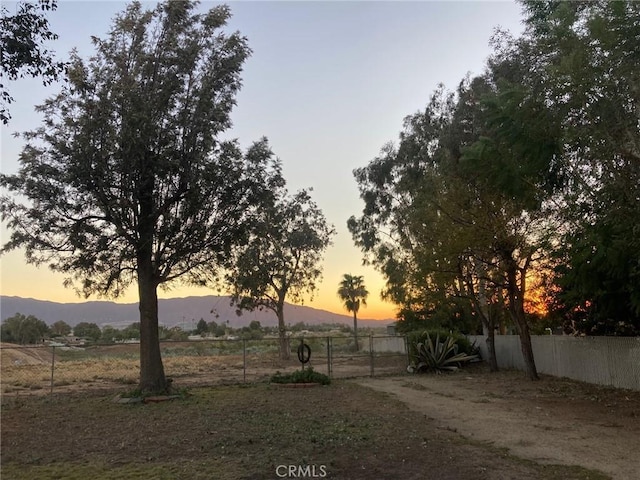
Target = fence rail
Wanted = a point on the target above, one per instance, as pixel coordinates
(612, 361)
(48, 369)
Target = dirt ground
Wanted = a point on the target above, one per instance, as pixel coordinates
(502, 418)
(553, 421)
(249, 432)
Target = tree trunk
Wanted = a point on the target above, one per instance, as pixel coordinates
(152, 378)
(355, 330)
(516, 310)
(285, 346)
(527, 350)
(490, 334)
(487, 323)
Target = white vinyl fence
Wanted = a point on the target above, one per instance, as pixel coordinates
(386, 344)
(613, 361)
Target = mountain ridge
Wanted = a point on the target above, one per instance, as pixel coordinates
(183, 311)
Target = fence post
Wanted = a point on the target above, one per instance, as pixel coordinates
(53, 364)
(329, 356)
(406, 349)
(244, 360)
(371, 351)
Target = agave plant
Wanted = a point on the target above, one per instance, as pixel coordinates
(439, 356)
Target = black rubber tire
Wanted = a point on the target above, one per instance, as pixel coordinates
(303, 349)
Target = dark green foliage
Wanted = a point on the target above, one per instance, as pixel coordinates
(22, 39)
(527, 173)
(217, 330)
(23, 329)
(451, 314)
(131, 332)
(110, 335)
(60, 328)
(201, 328)
(421, 336)
(353, 293)
(308, 375)
(87, 330)
(172, 334)
(591, 56)
(127, 179)
(598, 274)
(252, 332)
(438, 355)
(281, 259)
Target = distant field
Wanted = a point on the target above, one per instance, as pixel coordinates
(29, 369)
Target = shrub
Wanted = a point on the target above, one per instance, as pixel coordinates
(438, 356)
(420, 336)
(307, 375)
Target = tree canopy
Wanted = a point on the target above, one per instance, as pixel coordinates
(127, 180)
(23, 329)
(23, 36)
(281, 260)
(520, 178)
(353, 293)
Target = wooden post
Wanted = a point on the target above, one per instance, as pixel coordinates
(53, 364)
(329, 356)
(244, 360)
(371, 351)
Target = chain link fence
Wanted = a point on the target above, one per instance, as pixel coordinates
(612, 361)
(47, 369)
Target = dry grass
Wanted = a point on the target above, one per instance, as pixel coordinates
(246, 432)
(29, 370)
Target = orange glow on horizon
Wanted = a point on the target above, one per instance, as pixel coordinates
(28, 281)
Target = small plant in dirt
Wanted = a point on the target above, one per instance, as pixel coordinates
(307, 375)
(438, 356)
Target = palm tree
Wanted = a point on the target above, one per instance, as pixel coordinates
(353, 293)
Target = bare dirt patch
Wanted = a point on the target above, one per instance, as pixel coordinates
(553, 421)
(12, 355)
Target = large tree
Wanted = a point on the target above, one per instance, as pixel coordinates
(423, 221)
(23, 329)
(590, 55)
(23, 36)
(353, 293)
(569, 106)
(453, 213)
(282, 258)
(126, 181)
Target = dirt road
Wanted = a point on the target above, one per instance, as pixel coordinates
(555, 421)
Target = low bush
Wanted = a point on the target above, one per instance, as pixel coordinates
(420, 336)
(438, 355)
(308, 375)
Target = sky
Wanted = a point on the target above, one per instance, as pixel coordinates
(328, 83)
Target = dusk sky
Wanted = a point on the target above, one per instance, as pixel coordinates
(328, 84)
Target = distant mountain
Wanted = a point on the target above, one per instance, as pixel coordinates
(171, 312)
